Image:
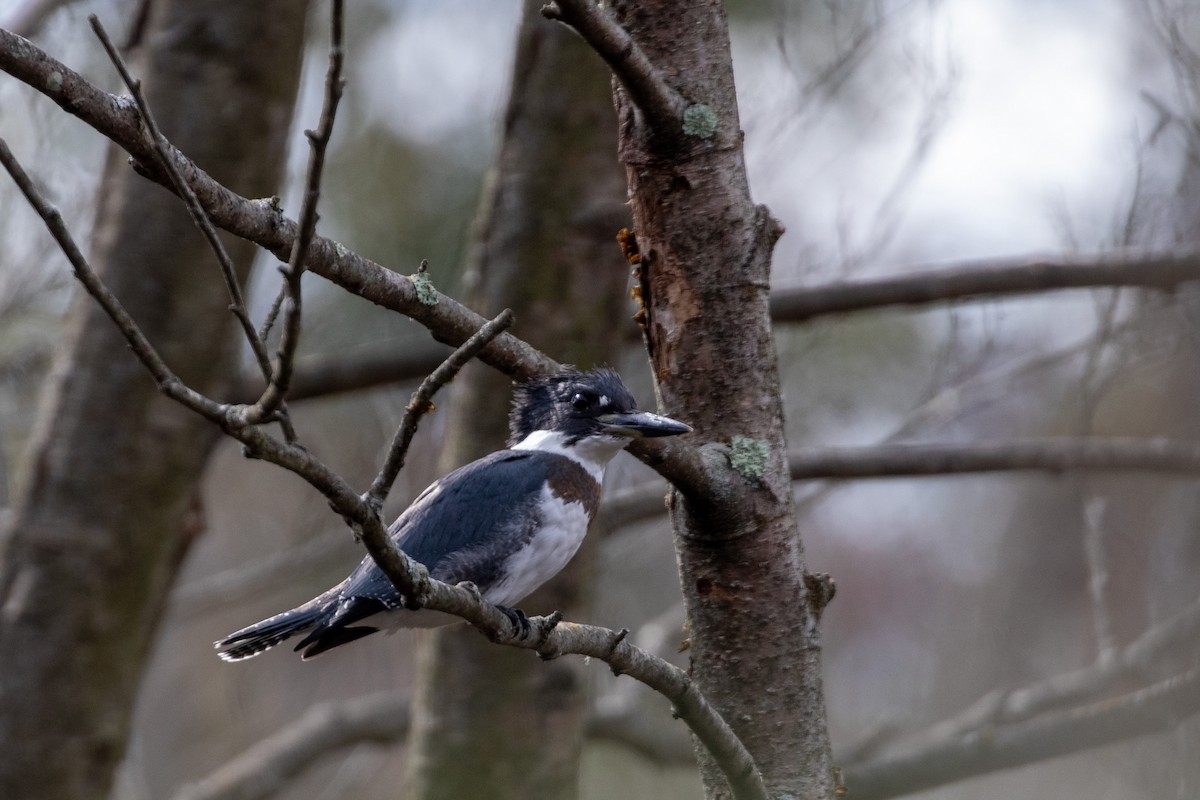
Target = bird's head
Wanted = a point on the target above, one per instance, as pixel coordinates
(576, 406)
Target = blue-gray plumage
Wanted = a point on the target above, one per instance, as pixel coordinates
(507, 522)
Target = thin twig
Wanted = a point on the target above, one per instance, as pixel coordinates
(660, 105)
(264, 330)
(160, 148)
(281, 375)
(420, 404)
(162, 156)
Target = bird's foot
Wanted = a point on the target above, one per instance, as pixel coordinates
(519, 621)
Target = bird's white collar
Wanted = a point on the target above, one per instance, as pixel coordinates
(592, 453)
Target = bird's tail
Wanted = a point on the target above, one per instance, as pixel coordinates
(254, 639)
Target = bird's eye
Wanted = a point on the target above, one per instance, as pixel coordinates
(581, 401)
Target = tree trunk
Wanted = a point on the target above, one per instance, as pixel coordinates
(491, 722)
(706, 257)
(102, 517)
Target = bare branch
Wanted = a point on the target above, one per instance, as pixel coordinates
(273, 312)
(973, 280)
(660, 105)
(261, 222)
(281, 376)
(420, 404)
(1050, 455)
(265, 768)
(620, 714)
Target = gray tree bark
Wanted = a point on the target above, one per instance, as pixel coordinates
(105, 512)
(705, 260)
(545, 247)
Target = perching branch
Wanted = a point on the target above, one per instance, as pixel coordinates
(660, 105)
(547, 636)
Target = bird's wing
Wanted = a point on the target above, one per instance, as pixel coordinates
(462, 527)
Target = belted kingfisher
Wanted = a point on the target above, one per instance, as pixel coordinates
(508, 522)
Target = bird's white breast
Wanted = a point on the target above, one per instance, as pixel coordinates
(564, 524)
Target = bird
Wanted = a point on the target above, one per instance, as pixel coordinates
(507, 522)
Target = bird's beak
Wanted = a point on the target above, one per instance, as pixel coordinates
(639, 424)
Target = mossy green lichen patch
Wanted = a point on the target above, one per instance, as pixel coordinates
(427, 294)
(748, 456)
(700, 121)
